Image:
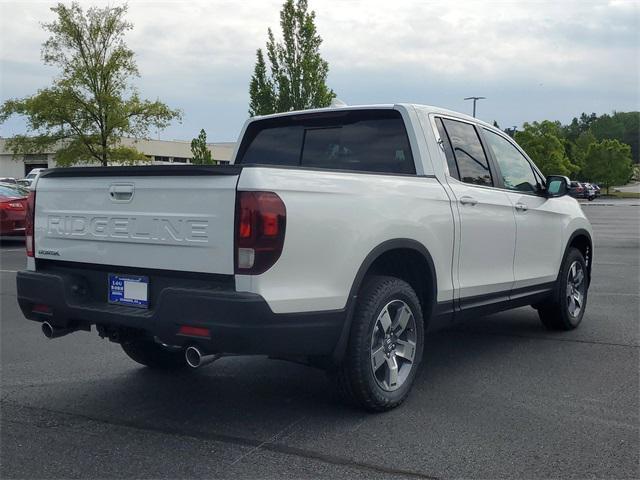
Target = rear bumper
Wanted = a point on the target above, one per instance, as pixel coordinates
(240, 323)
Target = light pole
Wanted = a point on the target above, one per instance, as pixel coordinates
(475, 99)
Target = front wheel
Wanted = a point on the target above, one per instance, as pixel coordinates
(566, 309)
(385, 345)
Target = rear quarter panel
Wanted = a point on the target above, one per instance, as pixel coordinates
(334, 220)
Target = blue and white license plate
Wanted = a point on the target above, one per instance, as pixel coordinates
(131, 290)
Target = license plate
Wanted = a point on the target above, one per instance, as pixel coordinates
(131, 290)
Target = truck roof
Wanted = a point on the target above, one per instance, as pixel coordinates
(425, 108)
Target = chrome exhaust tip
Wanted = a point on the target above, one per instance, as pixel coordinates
(51, 331)
(193, 356)
(196, 359)
(47, 330)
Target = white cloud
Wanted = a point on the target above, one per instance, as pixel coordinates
(533, 59)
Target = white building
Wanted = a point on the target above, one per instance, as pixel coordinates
(158, 151)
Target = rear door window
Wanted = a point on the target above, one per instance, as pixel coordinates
(471, 160)
(360, 140)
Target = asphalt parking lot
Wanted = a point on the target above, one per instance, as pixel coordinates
(498, 397)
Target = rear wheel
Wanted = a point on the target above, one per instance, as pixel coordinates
(566, 309)
(153, 355)
(385, 345)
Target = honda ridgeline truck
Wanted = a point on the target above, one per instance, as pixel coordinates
(334, 237)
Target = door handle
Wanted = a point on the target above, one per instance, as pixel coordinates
(521, 207)
(466, 200)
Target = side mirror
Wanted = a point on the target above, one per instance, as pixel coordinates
(557, 185)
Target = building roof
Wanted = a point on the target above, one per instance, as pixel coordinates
(160, 148)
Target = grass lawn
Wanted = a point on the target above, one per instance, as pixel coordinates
(613, 194)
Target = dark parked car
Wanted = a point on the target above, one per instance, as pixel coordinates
(582, 190)
(13, 208)
(576, 190)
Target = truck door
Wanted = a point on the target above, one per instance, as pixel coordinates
(487, 224)
(539, 245)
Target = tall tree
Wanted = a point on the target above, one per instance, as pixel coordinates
(91, 104)
(298, 73)
(200, 150)
(544, 143)
(262, 92)
(608, 162)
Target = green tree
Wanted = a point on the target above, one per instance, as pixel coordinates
(578, 126)
(621, 126)
(262, 92)
(608, 162)
(577, 150)
(298, 73)
(91, 104)
(200, 150)
(544, 143)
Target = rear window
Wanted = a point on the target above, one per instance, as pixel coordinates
(361, 140)
(13, 191)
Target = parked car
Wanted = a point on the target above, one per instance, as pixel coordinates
(590, 191)
(335, 238)
(13, 202)
(8, 180)
(31, 176)
(582, 190)
(576, 190)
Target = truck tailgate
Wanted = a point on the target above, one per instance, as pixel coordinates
(174, 218)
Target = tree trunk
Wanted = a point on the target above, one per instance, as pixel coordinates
(104, 155)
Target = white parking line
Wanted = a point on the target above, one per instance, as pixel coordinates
(11, 249)
(9, 271)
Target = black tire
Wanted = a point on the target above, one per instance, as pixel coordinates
(154, 355)
(356, 380)
(555, 314)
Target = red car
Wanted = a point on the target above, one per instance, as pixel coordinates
(13, 207)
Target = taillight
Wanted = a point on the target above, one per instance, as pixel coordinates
(261, 218)
(29, 221)
(12, 205)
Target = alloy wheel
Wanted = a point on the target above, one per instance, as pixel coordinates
(576, 289)
(393, 345)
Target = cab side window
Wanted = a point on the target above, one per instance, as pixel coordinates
(517, 173)
(471, 160)
(446, 145)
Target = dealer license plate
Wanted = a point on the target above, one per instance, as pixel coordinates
(131, 290)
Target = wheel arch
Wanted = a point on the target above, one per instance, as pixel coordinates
(581, 239)
(381, 260)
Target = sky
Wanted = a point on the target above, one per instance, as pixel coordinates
(533, 60)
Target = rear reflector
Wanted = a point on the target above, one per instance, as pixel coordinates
(40, 308)
(194, 331)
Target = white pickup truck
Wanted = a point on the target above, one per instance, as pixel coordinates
(334, 237)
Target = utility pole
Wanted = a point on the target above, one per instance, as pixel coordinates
(475, 99)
